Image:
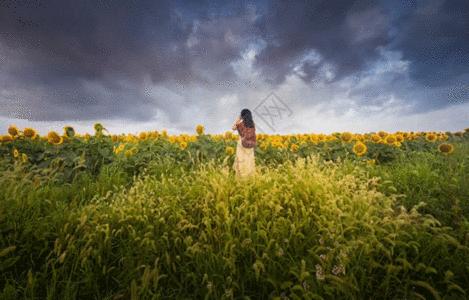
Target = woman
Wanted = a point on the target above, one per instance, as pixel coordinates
(244, 164)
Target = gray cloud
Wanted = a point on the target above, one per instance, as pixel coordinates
(131, 60)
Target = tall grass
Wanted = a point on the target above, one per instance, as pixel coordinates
(302, 229)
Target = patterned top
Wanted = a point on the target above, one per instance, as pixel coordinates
(246, 132)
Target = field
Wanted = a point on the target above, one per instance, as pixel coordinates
(341, 216)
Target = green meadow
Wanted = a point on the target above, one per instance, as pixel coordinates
(165, 218)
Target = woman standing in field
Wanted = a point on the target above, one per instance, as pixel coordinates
(244, 164)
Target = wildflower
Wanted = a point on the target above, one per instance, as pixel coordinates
(15, 153)
(359, 148)
(431, 137)
(209, 285)
(30, 133)
(229, 278)
(323, 256)
(285, 240)
(305, 286)
(24, 158)
(446, 149)
(321, 241)
(336, 243)
(230, 150)
(280, 252)
(329, 248)
(13, 130)
(200, 130)
(54, 138)
(338, 269)
(346, 137)
(228, 293)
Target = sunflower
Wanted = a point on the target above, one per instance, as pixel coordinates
(398, 144)
(121, 147)
(115, 138)
(371, 162)
(30, 133)
(164, 133)
(431, 137)
(13, 130)
(375, 138)
(399, 138)
(390, 139)
(15, 153)
(295, 148)
(69, 131)
(24, 158)
(259, 137)
(6, 138)
(98, 127)
(346, 137)
(54, 138)
(228, 135)
(359, 148)
(322, 138)
(143, 136)
(183, 145)
(155, 134)
(382, 134)
(263, 146)
(128, 153)
(230, 150)
(200, 130)
(87, 136)
(446, 149)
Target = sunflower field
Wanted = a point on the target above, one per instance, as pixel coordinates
(153, 216)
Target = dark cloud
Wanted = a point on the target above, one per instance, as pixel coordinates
(345, 35)
(88, 60)
(433, 35)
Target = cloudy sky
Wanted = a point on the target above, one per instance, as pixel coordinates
(300, 67)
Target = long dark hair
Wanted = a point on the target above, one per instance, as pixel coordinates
(247, 118)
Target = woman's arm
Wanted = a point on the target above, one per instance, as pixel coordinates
(237, 122)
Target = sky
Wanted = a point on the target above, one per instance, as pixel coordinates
(299, 66)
